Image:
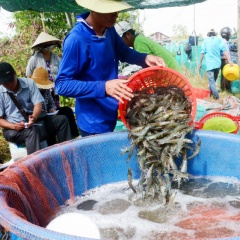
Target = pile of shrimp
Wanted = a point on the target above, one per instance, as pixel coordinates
(159, 120)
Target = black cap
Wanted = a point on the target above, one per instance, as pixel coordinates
(6, 72)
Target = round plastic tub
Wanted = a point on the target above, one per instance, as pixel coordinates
(34, 188)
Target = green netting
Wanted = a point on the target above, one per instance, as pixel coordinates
(177, 50)
(71, 5)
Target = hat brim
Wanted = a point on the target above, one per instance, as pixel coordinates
(50, 86)
(37, 45)
(104, 6)
(42, 83)
(6, 79)
(122, 27)
(45, 38)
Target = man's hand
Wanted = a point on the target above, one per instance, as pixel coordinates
(231, 63)
(14, 126)
(19, 126)
(31, 120)
(118, 89)
(152, 61)
(200, 66)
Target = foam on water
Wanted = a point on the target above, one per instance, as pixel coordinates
(206, 207)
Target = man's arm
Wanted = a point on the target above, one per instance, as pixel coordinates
(13, 126)
(201, 59)
(36, 112)
(20, 126)
(226, 54)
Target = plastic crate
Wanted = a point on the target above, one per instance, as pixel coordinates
(158, 77)
(201, 93)
(199, 125)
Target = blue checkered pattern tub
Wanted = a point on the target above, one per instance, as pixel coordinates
(43, 183)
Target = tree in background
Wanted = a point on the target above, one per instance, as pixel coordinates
(131, 17)
(28, 25)
(180, 33)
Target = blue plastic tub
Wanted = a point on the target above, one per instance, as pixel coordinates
(91, 162)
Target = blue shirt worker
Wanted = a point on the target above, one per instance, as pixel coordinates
(212, 48)
(21, 128)
(89, 67)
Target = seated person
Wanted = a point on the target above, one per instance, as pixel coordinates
(41, 78)
(19, 122)
(44, 57)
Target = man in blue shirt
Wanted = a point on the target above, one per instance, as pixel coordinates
(89, 67)
(212, 48)
(225, 34)
(21, 129)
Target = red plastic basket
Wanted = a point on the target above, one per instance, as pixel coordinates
(158, 77)
(201, 93)
(199, 125)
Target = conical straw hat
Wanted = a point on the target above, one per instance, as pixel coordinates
(45, 37)
(104, 6)
(41, 78)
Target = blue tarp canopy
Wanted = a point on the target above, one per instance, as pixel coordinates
(72, 6)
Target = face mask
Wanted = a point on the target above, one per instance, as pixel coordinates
(48, 48)
(45, 48)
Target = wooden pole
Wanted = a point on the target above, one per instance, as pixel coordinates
(43, 24)
(195, 40)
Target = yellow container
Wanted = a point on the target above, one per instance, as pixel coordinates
(231, 73)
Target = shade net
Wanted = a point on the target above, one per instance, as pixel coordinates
(72, 6)
(33, 189)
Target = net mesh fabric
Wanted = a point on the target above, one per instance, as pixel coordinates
(72, 6)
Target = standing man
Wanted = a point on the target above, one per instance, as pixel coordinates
(225, 34)
(18, 123)
(145, 45)
(212, 48)
(89, 67)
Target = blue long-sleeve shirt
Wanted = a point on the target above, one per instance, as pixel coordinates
(89, 61)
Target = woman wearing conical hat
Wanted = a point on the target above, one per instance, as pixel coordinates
(44, 57)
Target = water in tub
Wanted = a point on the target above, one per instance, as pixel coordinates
(203, 208)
